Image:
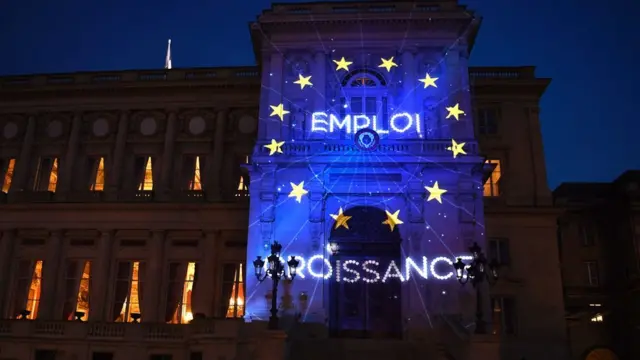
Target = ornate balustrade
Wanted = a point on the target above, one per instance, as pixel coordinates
(129, 332)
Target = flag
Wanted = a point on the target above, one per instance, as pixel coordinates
(167, 60)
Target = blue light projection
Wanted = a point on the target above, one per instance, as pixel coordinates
(385, 221)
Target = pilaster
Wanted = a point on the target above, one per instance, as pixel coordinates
(274, 98)
(153, 278)
(204, 293)
(51, 276)
(409, 85)
(100, 277)
(24, 161)
(268, 199)
(6, 259)
(167, 154)
(117, 161)
(70, 156)
(214, 191)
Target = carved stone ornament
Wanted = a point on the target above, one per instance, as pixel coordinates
(247, 124)
(10, 130)
(54, 129)
(100, 127)
(197, 125)
(148, 126)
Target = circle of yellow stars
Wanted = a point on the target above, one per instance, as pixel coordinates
(343, 64)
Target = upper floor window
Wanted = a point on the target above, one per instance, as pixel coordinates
(6, 173)
(592, 273)
(144, 173)
(28, 288)
(363, 77)
(587, 234)
(491, 186)
(127, 294)
(77, 281)
(243, 183)
(487, 120)
(233, 290)
(499, 251)
(363, 81)
(504, 319)
(46, 178)
(181, 280)
(96, 174)
(192, 172)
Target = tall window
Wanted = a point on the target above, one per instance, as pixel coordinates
(77, 282)
(128, 291)
(28, 288)
(96, 174)
(233, 290)
(192, 172)
(487, 120)
(144, 173)
(592, 273)
(491, 186)
(499, 251)
(181, 280)
(6, 173)
(46, 175)
(504, 315)
(587, 234)
(243, 183)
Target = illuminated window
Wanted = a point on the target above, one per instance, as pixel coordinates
(6, 173)
(243, 183)
(491, 186)
(77, 282)
(144, 172)
(487, 120)
(28, 288)
(192, 172)
(597, 318)
(97, 174)
(591, 272)
(46, 175)
(127, 295)
(363, 82)
(179, 290)
(503, 315)
(499, 251)
(233, 290)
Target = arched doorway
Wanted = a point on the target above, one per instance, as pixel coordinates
(365, 308)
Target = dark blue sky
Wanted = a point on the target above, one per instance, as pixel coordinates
(589, 117)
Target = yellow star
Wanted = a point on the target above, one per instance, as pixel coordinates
(279, 111)
(435, 192)
(456, 148)
(298, 191)
(274, 147)
(428, 81)
(387, 64)
(455, 111)
(342, 64)
(341, 219)
(302, 81)
(392, 219)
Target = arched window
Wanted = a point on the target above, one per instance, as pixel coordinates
(364, 92)
(363, 81)
(364, 76)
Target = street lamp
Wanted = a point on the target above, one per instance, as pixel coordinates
(477, 272)
(276, 271)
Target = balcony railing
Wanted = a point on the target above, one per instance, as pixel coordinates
(129, 332)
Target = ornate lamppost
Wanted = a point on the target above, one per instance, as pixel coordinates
(276, 271)
(477, 272)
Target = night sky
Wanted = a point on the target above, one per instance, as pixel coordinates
(589, 120)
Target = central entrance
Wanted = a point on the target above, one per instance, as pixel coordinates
(366, 309)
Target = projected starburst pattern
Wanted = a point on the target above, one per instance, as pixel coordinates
(383, 220)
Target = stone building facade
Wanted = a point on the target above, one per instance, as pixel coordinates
(128, 229)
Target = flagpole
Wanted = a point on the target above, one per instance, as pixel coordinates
(167, 60)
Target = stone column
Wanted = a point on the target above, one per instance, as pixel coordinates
(214, 176)
(70, 157)
(275, 97)
(6, 259)
(167, 154)
(100, 276)
(153, 279)
(50, 277)
(117, 161)
(23, 164)
(204, 294)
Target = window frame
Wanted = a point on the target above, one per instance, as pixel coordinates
(5, 165)
(592, 269)
(225, 303)
(42, 181)
(486, 125)
(503, 321)
(114, 284)
(77, 292)
(500, 242)
(490, 183)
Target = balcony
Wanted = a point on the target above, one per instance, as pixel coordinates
(31, 196)
(136, 196)
(85, 196)
(12, 330)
